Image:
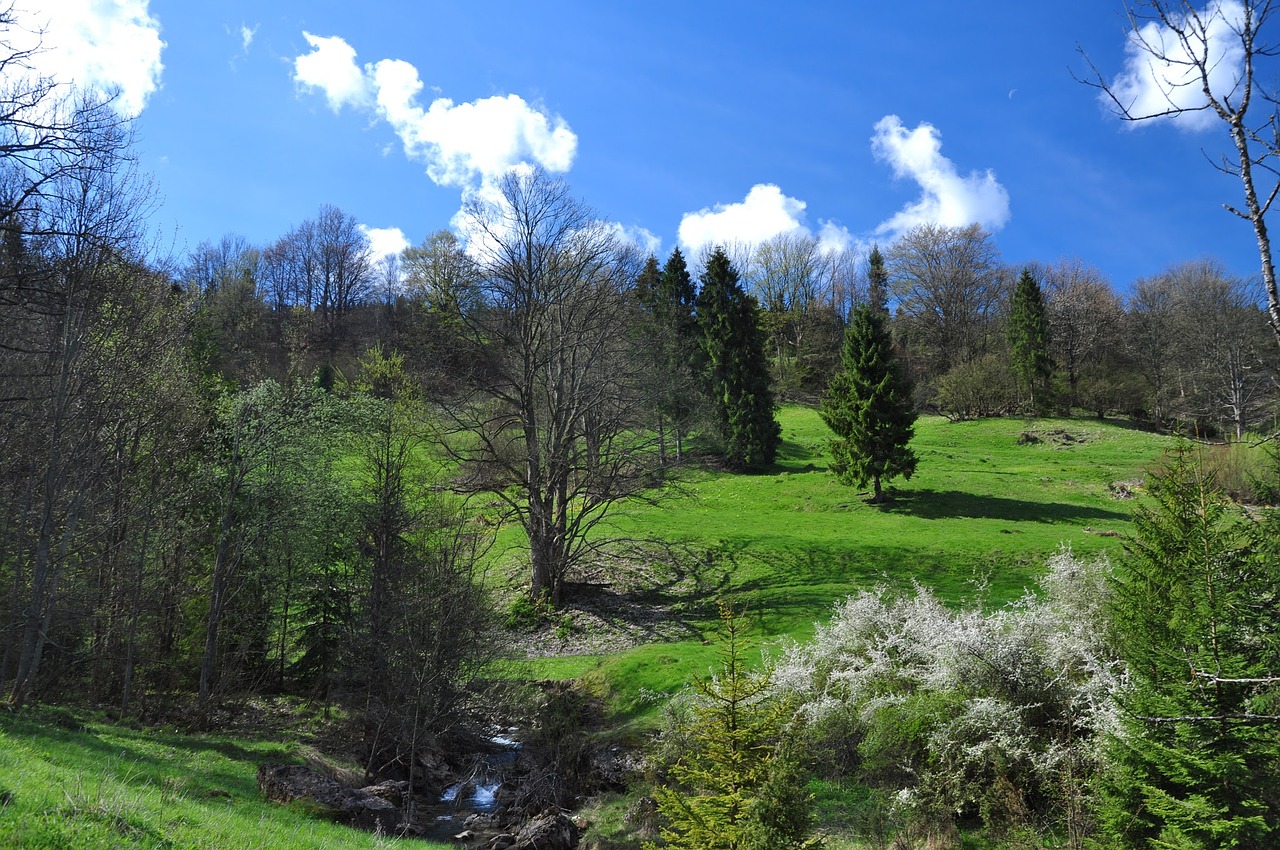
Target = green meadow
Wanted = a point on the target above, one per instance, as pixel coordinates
(990, 502)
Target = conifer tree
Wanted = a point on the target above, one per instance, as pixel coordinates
(1194, 612)
(868, 405)
(736, 367)
(1029, 338)
(877, 280)
(671, 335)
(738, 786)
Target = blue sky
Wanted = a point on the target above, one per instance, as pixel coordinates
(686, 123)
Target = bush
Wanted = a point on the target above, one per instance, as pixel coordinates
(947, 714)
(982, 387)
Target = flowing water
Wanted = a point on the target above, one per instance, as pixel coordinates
(476, 795)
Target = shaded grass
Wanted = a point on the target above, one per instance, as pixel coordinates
(94, 786)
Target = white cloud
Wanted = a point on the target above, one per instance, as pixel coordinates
(385, 241)
(645, 241)
(467, 144)
(331, 67)
(107, 46)
(947, 198)
(464, 145)
(763, 214)
(1149, 86)
(247, 34)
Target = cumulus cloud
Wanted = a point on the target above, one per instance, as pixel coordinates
(247, 34)
(464, 145)
(763, 214)
(385, 241)
(947, 198)
(331, 67)
(107, 46)
(1153, 86)
(645, 241)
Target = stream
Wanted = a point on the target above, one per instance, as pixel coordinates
(475, 795)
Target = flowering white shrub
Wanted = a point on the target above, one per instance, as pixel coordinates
(993, 715)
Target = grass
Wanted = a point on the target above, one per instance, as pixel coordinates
(97, 786)
(991, 500)
(984, 511)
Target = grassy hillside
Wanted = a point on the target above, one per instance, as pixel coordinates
(65, 784)
(990, 501)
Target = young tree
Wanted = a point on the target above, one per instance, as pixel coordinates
(737, 787)
(868, 405)
(736, 367)
(421, 632)
(1029, 338)
(1195, 616)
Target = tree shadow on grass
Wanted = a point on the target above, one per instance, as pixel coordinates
(956, 504)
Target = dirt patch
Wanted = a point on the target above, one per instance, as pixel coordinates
(1053, 436)
(625, 602)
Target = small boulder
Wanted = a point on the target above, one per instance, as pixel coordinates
(284, 783)
(550, 830)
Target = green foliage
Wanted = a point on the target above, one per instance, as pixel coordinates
(976, 389)
(1197, 619)
(737, 369)
(868, 405)
(738, 785)
(1028, 334)
(672, 338)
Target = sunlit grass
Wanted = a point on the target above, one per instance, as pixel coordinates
(990, 502)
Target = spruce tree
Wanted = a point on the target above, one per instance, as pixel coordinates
(877, 281)
(677, 297)
(1194, 614)
(736, 368)
(1029, 338)
(868, 405)
(671, 336)
(739, 785)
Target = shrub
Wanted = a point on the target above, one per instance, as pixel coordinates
(982, 387)
(997, 717)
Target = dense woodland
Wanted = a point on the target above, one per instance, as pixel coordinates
(278, 468)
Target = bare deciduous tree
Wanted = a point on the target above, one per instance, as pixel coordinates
(948, 285)
(1083, 313)
(555, 429)
(1206, 61)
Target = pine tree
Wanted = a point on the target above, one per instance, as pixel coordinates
(868, 405)
(738, 786)
(877, 280)
(1195, 619)
(671, 336)
(736, 367)
(1029, 338)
